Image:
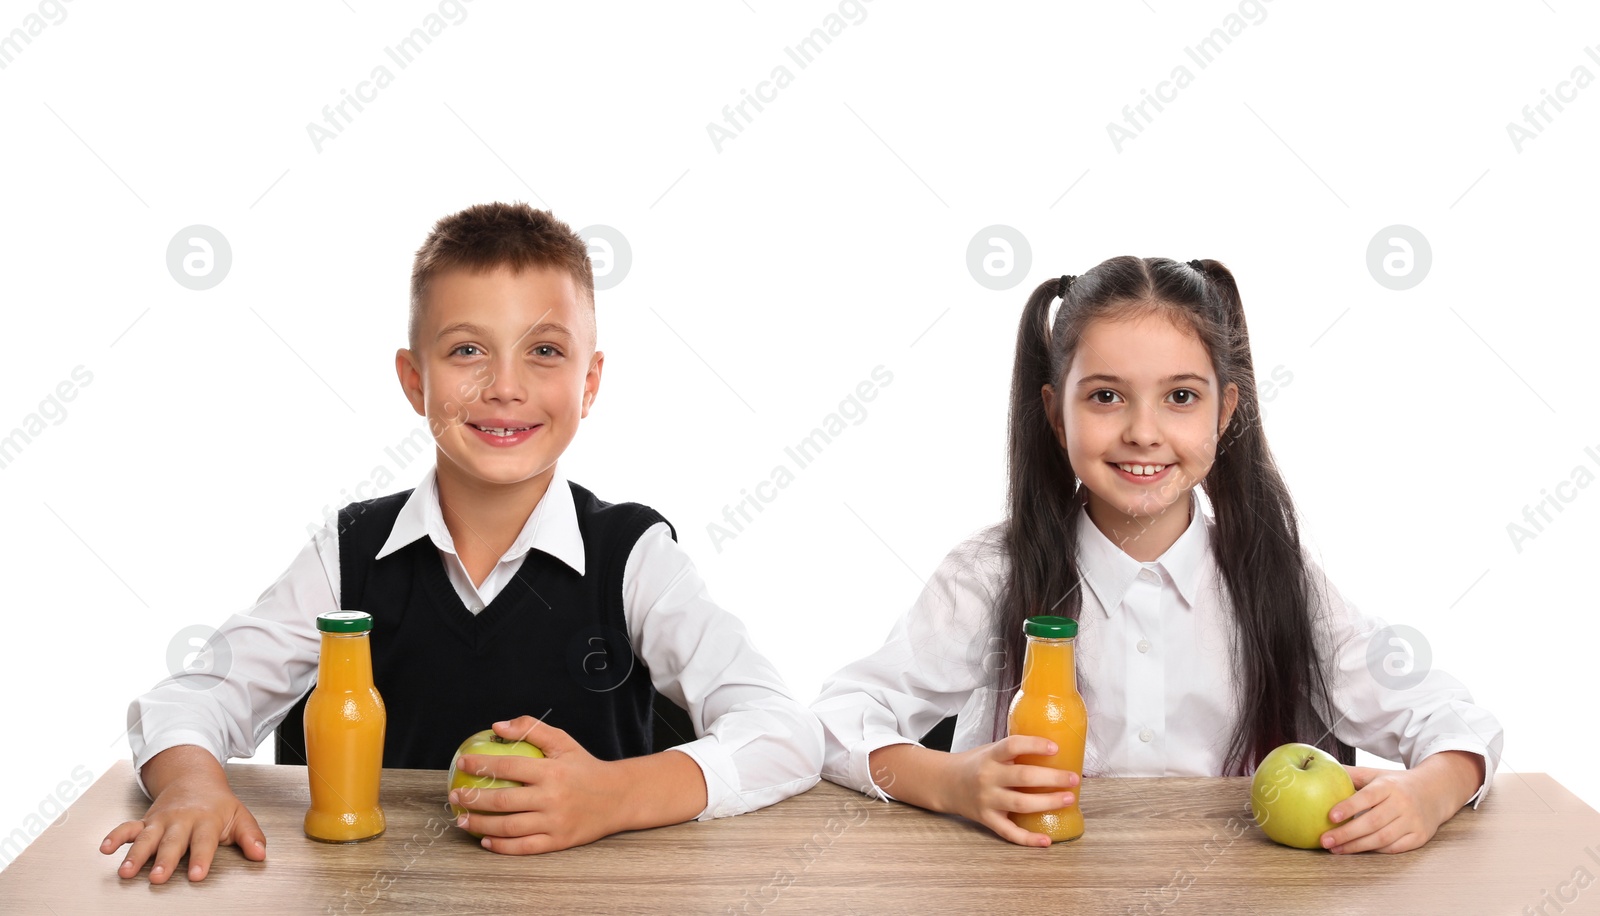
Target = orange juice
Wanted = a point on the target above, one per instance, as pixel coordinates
(344, 734)
(1048, 705)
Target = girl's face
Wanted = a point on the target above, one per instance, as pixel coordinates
(1140, 414)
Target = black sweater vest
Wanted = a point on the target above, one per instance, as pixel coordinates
(553, 644)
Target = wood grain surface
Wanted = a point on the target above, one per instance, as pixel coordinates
(1155, 846)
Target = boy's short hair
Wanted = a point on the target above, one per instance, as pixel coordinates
(486, 236)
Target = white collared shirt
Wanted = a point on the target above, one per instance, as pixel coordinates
(757, 744)
(1154, 665)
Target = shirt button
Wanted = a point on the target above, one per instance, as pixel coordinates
(1144, 645)
(1146, 736)
(1148, 575)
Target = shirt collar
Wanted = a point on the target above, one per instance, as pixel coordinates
(1109, 571)
(551, 528)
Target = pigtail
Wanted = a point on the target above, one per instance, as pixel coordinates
(1037, 464)
(1221, 299)
(1258, 549)
(1040, 537)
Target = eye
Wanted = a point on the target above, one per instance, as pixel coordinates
(1183, 397)
(461, 350)
(546, 351)
(1104, 396)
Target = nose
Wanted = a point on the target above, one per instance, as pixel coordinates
(1144, 427)
(506, 384)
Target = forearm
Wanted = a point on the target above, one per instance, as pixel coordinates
(186, 762)
(1455, 777)
(913, 774)
(657, 790)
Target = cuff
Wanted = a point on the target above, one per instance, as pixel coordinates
(721, 776)
(859, 775)
(724, 796)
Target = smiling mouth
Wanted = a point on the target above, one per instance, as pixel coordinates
(1142, 470)
(502, 431)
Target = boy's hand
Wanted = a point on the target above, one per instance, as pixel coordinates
(567, 799)
(987, 780)
(1400, 810)
(193, 812)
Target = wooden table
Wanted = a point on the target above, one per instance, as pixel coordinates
(1168, 846)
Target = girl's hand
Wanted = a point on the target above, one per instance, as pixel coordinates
(984, 782)
(1400, 810)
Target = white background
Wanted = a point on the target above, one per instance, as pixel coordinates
(768, 279)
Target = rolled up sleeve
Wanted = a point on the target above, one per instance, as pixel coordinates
(756, 744)
(1386, 695)
(256, 666)
(928, 669)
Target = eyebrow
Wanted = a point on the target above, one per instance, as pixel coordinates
(548, 327)
(1100, 378)
(467, 327)
(460, 326)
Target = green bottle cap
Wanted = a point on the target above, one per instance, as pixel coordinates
(344, 622)
(1047, 627)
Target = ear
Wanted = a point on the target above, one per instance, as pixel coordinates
(1052, 412)
(406, 366)
(1230, 400)
(591, 382)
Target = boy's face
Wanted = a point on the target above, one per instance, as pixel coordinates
(504, 368)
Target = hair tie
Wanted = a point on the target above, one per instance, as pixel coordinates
(1064, 284)
(1197, 265)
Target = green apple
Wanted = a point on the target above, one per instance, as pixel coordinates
(1293, 790)
(484, 742)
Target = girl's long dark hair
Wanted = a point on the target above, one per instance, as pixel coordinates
(1281, 685)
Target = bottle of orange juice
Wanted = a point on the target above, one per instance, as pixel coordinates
(344, 734)
(1048, 705)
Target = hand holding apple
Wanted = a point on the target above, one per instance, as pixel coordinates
(1402, 809)
(571, 798)
(465, 785)
(1294, 790)
(567, 799)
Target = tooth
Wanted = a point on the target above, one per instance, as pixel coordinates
(1149, 469)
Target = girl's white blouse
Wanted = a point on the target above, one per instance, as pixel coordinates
(1154, 659)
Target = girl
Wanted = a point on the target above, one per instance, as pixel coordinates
(1205, 640)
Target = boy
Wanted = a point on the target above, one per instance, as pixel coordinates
(498, 589)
